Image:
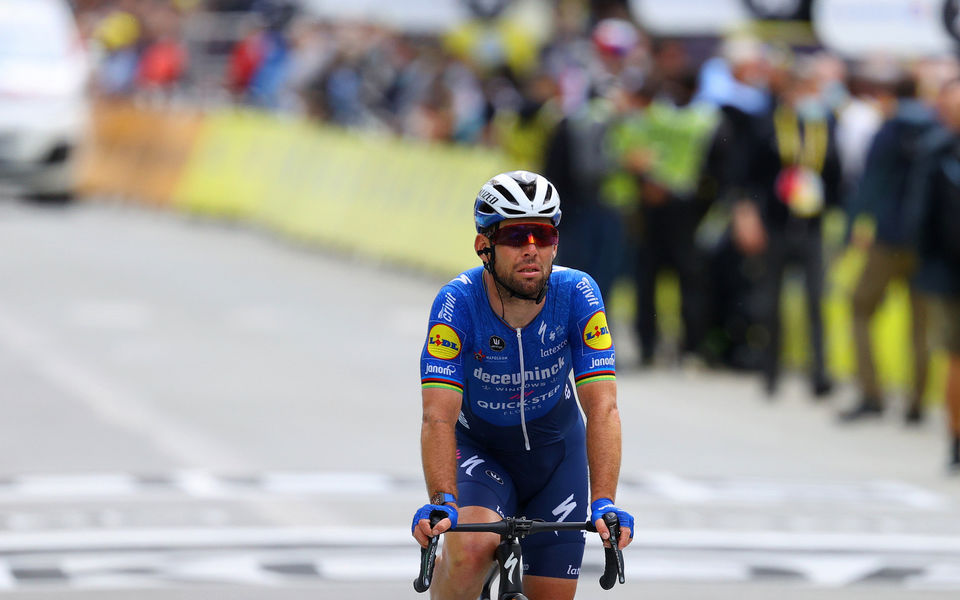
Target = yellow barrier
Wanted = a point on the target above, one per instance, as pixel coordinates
(134, 152)
(378, 196)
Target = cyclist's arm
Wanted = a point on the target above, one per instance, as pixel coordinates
(438, 447)
(599, 402)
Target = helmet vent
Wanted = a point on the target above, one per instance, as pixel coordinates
(512, 211)
(508, 196)
(529, 189)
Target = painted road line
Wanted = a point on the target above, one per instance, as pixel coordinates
(277, 567)
(145, 539)
(668, 487)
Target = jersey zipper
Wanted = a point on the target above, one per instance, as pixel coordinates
(523, 419)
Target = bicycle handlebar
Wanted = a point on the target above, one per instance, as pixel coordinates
(613, 556)
(428, 555)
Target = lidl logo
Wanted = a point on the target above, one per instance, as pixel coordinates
(443, 342)
(596, 334)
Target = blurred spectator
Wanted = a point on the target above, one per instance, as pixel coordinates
(163, 61)
(578, 162)
(934, 218)
(260, 61)
(890, 255)
(495, 39)
(795, 176)
(523, 130)
(858, 119)
(736, 81)
(118, 37)
(660, 145)
(738, 77)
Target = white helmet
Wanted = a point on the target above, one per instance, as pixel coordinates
(514, 195)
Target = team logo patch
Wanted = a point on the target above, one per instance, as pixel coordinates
(443, 342)
(497, 344)
(479, 355)
(494, 476)
(596, 334)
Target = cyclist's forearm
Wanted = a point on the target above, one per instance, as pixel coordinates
(603, 437)
(438, 443)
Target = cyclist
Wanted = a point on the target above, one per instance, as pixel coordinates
(509, 342)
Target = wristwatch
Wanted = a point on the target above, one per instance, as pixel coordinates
(440, 498)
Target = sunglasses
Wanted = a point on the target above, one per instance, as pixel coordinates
(523, 234)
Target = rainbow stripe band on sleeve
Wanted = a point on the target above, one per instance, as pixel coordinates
(444, 384)
(595, 376)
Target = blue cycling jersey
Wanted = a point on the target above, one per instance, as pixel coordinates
(471, 350)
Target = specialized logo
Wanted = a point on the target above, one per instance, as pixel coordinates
(443, 342)
(463, 421)
(494, 476)
(511, 566)
(596, 334)
(497, 344)
(470, 464)
(563, 510)
(542, 331)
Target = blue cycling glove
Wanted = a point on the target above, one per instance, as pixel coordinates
(426, 509)
(602, 506)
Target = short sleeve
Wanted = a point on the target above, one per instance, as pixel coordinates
(441, 362)
(591, 343)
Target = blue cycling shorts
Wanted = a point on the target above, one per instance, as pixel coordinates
(548, 483)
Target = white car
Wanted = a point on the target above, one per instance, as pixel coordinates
(44, 110)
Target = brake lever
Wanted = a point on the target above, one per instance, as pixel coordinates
(428, 556)
(613, 556)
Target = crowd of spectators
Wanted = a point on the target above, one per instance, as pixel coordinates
(719, 165)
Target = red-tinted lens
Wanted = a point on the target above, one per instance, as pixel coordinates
(540, 234)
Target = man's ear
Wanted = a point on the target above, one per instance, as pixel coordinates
(481, 245)
(554, 252)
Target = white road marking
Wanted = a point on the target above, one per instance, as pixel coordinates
(6, 577)
(80, 540)
(366, 561)
(200, 484)
(87, 484)
(373, 567)
(683, 569)
(327, 482)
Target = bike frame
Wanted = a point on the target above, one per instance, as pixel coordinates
(509, 555)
